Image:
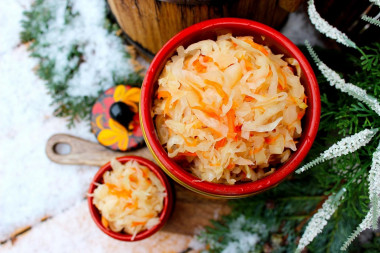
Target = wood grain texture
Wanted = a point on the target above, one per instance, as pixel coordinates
(289, 5)
(191, 211)
(85, 152)
(151, 23)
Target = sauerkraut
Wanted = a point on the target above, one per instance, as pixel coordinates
(229, 110)
(130, 199)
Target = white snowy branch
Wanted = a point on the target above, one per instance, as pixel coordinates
(377, 2)
(324, 27)
(374, 186)
(366, 223)
(336, 81)
(371, 20)
(319, 220)
(372, 217)
(353, 90)
(343, 147)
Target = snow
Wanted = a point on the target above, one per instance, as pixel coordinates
(243, 235)
(11, 17)
(298, 28)
(31, 185)
(103, 62)
(78, 233)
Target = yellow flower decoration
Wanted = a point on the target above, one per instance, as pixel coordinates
(115, 134)
(130, 97)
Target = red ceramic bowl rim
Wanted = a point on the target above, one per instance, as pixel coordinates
(220, 190)
(166, 211)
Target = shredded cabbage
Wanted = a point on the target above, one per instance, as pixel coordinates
(130, 199)
(229, 110)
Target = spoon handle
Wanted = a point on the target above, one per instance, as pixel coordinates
(83, 152)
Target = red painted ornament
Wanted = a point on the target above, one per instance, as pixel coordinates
(115, 118)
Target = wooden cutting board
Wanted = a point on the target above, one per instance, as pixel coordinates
(191, 210)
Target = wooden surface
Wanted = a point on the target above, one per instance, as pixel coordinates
(191, 211)
(151, 23)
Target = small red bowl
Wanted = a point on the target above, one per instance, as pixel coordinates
(210, 29)
(166, 211)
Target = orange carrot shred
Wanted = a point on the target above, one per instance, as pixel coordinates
(271, 140)
(249, 99)
(231, 121)
(163, 94)
(136, 223)
(131, 205)
(218, 88)
(248, 65)
(199, 67)
(209, 113)
(221, 143)
(301, 114)
(191, 143)
(187, 154)
(149, 215)
(133, 178)
(282, 80)
(256, 150)
(207, 58)
(104, 222)
(167, 106)
(255, 45)
(117, 192)
(230, 166)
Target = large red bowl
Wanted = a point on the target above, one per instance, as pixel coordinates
(210, 29)
(164, 215)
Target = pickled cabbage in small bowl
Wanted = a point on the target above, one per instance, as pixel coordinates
(130, 199)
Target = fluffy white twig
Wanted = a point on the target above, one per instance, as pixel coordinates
(319, 220)
(336, 81)
(366, 223)
(377, 2)
(324, 27)
(374, 186)
(345, 146)
(371, 20)
(372, 217)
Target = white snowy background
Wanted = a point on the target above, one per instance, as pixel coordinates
(31, 186)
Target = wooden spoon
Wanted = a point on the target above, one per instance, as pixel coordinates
(191, 211)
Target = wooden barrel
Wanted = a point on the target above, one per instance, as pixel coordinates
(149, 24)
